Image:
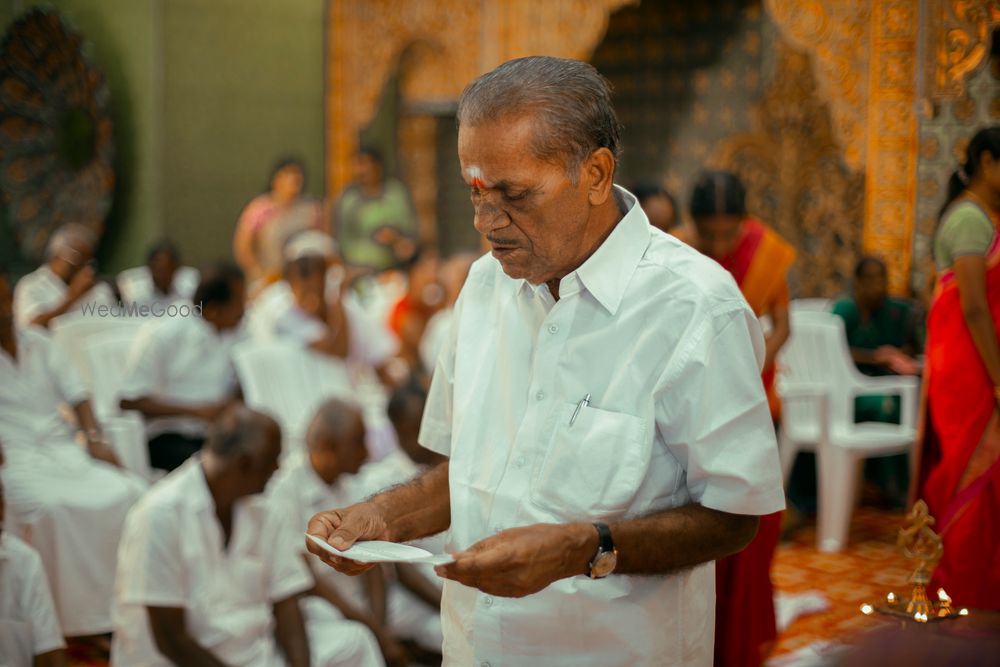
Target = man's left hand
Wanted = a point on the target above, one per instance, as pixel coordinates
(522, 561)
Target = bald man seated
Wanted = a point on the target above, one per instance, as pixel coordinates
(209, 572)
(329, 475)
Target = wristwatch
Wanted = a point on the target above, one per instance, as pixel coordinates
(606, 558)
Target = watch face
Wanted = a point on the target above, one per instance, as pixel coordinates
(604, 564)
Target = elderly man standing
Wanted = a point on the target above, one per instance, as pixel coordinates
(65, 281)
(599, 401)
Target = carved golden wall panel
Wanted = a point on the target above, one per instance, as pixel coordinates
(872, 91)
(452, 41)
(958, 42)
(796, 178)
(892, 150)
(832, 32)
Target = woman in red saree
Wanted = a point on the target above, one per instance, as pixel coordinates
(759, 259)
(960, 463)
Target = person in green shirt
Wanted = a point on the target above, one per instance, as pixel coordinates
(374, 218)
(885, 335)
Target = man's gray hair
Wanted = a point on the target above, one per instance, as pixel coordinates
(570, 99)
(67, 237)
(241, 431)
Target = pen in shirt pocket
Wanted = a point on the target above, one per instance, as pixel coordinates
(584, 402)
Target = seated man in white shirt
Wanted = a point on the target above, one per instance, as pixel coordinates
(180, 374)
(415, 591)
(328, 474)
(209, 571)
(67, 501)
(161, 281)
(29, 629)
(65, 283)
(314, 306)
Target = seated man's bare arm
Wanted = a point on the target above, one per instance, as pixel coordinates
(173, 640)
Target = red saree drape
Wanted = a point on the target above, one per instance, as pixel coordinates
(961, 455)
(744, 611)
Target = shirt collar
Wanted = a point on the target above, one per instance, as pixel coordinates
(194, 486)
(313, 488)
(608, 271)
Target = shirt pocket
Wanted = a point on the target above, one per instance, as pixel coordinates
(593, 467)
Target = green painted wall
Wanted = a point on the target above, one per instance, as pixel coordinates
(243, 86)
(206, 94)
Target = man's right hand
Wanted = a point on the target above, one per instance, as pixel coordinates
(341, 528)
(81, 283)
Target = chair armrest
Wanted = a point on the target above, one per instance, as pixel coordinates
(801, 390)
(907, 387)
(807, 392)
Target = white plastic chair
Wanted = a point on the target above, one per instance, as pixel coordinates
(818, 383)
(136, 284)
(289, 382)
(107, 353)
(816, 305)
(73, 334)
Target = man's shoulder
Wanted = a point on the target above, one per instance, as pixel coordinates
(33, 279)
(168, 496)
(675, 274)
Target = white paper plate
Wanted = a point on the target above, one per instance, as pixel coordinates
(377, 551)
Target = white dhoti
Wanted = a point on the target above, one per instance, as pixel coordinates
(411, 618)
(70, 508)
(336, 642)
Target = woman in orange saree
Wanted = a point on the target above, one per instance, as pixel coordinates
(960, 463)
(759, 260)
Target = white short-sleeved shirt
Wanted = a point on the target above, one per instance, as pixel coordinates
(42, 290)
(171, 554)
(275, 314)
(183, 360)
(667, 350)
(297, 486)
(32, 389)
(28, 622)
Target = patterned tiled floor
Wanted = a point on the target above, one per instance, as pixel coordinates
(869, 568)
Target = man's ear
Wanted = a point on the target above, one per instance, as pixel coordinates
(598, 175)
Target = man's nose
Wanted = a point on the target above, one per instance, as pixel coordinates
(488, 217)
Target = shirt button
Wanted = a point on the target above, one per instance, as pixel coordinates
(521, 460)
(488, 601)
(540, 395)
(553, 328)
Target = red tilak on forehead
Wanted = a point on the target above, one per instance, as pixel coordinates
(475, 175)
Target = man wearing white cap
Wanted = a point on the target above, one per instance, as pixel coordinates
(313, 304)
